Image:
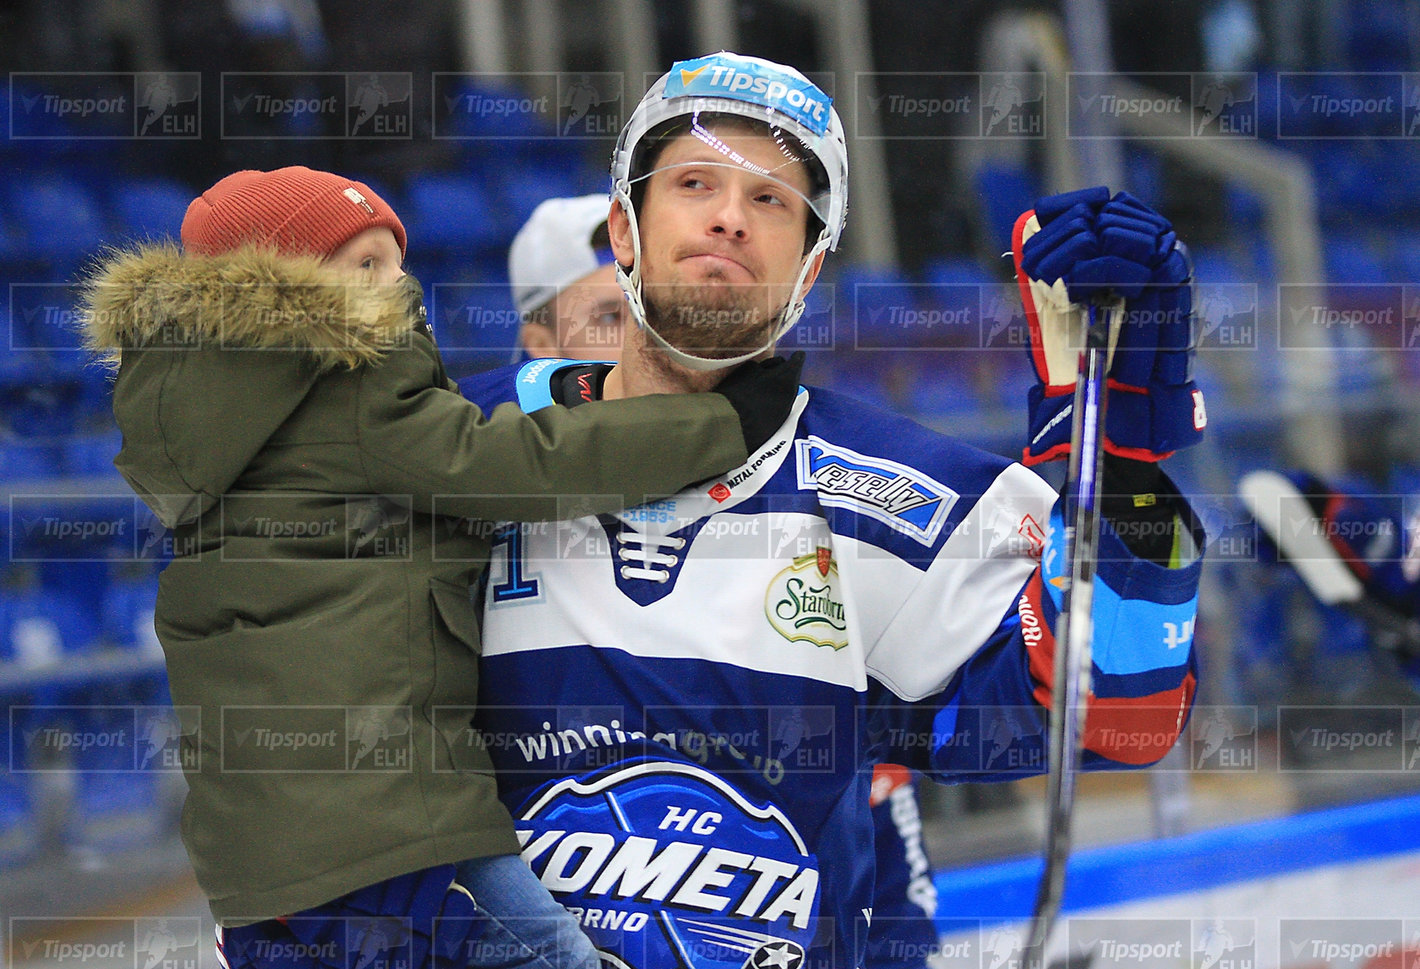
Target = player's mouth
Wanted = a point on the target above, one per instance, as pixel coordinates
(717, 264)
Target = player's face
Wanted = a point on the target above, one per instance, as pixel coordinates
(373, 256)
(721, 241)
(587, 320)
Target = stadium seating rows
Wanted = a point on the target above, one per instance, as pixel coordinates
(943, 343)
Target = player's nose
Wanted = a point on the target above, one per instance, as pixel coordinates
(729, 215)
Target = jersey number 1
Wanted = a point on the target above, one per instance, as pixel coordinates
(516, 585)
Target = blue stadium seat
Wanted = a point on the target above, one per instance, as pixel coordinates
(117, 782)
(91, 454)
(858, 374)
(521, 189)
(1355, 183)
(1405, 264)
(39, 625)
(83, 578)
(878, 306)
(127, 611)
(27, 461)
(452, 214)
(19, 828)
(959, 271)
(44, 404)
(1378, 35)
(1244, 209)
(1144, 174)
(1216, 265)
(493, 125)
(1014, 378)
(1268, 100)
(59, 219)
(151, 208)
(13, 253)
(1352, 260)
(945, 391)
(474, 317)
(1005, 191)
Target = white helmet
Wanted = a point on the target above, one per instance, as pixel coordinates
(750, 87)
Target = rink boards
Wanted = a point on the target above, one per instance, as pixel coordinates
(1334, 889)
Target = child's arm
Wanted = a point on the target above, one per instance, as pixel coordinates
(417, 438)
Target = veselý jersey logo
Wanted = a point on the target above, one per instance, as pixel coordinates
(804, 604)
(901, 497)
(667, 864)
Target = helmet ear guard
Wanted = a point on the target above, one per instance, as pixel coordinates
(758, 90)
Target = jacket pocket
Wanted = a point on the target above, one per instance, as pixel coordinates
(452, 613)
(453, 625)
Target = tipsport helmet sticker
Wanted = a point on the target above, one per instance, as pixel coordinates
(715, 77)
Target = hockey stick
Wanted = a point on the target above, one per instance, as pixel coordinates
(1073, 653)
(1282, 511)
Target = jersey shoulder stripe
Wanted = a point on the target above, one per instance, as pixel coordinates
(892, 483)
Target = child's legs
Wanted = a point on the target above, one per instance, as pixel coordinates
(524, 928)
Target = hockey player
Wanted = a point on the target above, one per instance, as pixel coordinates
(691, 696)
(562, 273)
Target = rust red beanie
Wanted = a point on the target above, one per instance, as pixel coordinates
(297, 210)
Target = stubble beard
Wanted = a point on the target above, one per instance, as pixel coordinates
(712, 320)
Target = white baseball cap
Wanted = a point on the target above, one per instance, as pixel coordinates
(554, 249)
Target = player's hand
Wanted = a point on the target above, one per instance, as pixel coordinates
(763, 393)
(1084, 246)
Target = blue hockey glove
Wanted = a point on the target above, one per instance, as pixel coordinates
(1084, 246)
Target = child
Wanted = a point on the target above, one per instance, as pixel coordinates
(285, 412)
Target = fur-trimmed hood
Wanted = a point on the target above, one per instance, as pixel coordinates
(195, 405)
(154, 295)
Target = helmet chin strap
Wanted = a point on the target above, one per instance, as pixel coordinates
(631, 285)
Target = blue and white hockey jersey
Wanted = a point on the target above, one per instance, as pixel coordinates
(685, 702)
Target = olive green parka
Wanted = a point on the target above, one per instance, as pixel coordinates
(319, 473)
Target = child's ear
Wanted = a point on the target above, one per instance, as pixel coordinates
(618, 228)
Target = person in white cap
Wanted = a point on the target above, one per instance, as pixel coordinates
(691, 778)
(560, 266)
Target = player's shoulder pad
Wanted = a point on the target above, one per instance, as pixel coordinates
(902, 486)
(870, 429)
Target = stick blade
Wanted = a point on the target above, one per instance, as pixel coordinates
(1283, 513)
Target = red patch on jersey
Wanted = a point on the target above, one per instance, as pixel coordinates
(886, 779)
(720, 492)
(825, 561)
(1032, 532)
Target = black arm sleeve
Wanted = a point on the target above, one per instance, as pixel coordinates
(1142, 506)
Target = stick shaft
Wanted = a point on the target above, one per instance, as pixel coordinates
(1072, 651)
